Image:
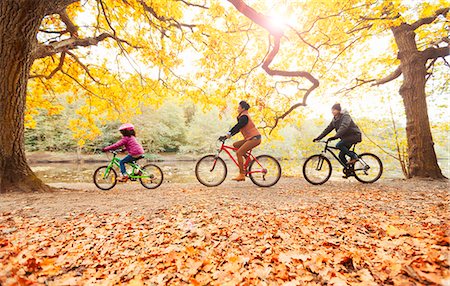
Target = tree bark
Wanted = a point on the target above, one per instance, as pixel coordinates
(19, 23)
(421, 153)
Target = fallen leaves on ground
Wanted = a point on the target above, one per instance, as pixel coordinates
(351, 243)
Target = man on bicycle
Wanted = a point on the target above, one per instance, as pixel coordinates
(346, 130)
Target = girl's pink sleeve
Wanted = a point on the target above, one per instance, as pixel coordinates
(116, 145)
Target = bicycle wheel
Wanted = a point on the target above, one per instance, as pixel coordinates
(264, 171)
(211, 171)
(317, 169)
(152, 176)
(368, 168)
(105, 180)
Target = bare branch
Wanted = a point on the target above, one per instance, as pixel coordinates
(86, 69)
(70, 26)
(194, 5)
(258, 18)
(359, 82)
(429, 20)
(277, 33)
(58, 68)
(273, 72)
(434, 53)
(42, 51)
(395, 74)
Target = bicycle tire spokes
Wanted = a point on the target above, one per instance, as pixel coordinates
(368, 168)
(264, 171)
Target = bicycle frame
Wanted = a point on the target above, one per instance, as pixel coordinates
(331, 148)
(249, 156)
(116, 162)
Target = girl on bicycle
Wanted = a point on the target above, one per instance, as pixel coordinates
(252, 137)
(135, 150)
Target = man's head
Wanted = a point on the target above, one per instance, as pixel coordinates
(336, 109)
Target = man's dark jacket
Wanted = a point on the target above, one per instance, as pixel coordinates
(345, 128)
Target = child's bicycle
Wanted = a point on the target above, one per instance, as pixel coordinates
(150, 175)
(263, 170)
(317, 168)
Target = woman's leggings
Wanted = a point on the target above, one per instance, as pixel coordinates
(244, 146)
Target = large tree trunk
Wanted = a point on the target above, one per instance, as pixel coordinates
(422, 157)
(19, 23)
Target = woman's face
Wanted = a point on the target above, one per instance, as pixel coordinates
(335, 112)
(240, 109)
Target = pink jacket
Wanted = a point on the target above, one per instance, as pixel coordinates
(131, 145)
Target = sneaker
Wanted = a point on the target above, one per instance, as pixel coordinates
(123, 179)
(352, 161)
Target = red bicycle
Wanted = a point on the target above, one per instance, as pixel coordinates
(263, 170)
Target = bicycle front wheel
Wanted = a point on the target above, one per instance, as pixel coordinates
(317, 169)
(368, 168)
(211, 171)
(264, 171)
(152, 176)
(104, 178)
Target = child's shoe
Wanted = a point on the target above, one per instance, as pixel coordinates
(123, 179)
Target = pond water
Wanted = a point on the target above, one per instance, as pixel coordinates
(182, 171)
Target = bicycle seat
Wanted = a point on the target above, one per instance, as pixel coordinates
(138, 158)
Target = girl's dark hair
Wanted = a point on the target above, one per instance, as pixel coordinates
(244, 105)
(128, 133)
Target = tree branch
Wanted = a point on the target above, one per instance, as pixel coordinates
(42, 51)
(429, 20)
(70, 26)
(58, 68)
(434, 53)
(258, 18)
(194, 5)
(273, 72)
(395, 74)
(277, 33)
(86, 69)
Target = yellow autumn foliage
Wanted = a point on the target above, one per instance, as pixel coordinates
(168, 49)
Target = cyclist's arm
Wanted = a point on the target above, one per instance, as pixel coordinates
(116, 145)
(243, 120)
(345, 124)
(327, 130)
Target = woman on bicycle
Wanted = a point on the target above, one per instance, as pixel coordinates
(135, 150)
(346, 130)
(252, 137)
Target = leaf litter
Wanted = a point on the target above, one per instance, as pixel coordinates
(356, 239)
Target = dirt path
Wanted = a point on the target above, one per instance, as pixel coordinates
(341, 233)
(289, 192)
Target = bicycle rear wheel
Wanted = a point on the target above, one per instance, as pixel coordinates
(368, 168)
(105, 179)
(265, 171)
(152, 176)
(317, 169)
(211, 171)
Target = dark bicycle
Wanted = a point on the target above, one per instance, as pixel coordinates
(317, 169)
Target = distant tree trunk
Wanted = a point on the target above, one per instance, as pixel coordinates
(421, 153)
(19, 23)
